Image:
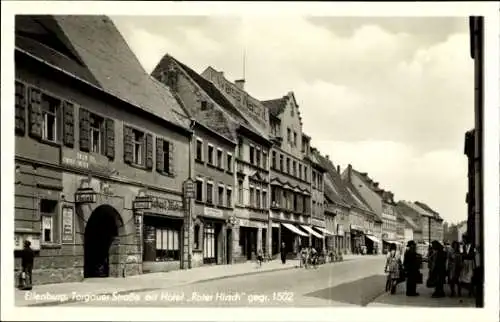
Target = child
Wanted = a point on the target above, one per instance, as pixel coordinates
(392, 268)
(260, 257)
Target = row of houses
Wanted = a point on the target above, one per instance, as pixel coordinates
(119, 172)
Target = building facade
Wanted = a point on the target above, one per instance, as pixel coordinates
(90, 149)
(252, 197)
(429, 226)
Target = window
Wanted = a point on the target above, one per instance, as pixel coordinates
(294, 138)
(314, 179)
(257, 201)
(210, 193)
(252, 154)
(210, 154)
(48, 209)
(264, 199)
(291, 111)
(240, 148)
(166, 156)
(229, 162)
(167, 244)
(264, 160)
(229, 197)
(199, 190)
(96, 133)
(281, 162)
(289, 135)
(208, 243)
(252, 196)
(257, 161)
(274, 196)
(219, 158)
(294, 168)
(196, 237)
(273, 160)
(221, 196)
(300, 171)
(199, 150)
(240, 192)
(138, 142)
(50, 111)
(287, 165)
(305, 173)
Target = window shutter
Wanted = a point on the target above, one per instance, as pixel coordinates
(159, 155)
(110, 138)
(84, 130)
(149, 151)
(69, 124)
(35, 113)
(20, 108)
(128, 146)
(171, 167)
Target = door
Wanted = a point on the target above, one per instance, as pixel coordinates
(229, 246)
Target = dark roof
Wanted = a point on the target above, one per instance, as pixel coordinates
(387, 196)
(105, 60)
(429, 209)
(407, 212)
(275, 106)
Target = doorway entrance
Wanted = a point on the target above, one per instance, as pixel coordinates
(229, 246)
(101, 242)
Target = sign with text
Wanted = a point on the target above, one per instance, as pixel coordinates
(189, 189)
(83, 160)
(212, 212)
(19, 239)
(85, 196)
(158, 204)
(68, 225)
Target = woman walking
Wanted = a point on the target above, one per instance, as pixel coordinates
(392, 269)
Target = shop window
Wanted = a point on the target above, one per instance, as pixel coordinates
(220, 198)
(167, 244)
(219, 158)
(199, 150)
(210, 193)
(199, 190)
(229, 197)
(210, 155)
(50, 119)
(48, 212)
(209, 243)
(196, 237)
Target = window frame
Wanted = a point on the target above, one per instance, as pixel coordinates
(102, 133)
(220, 161)
(220, 202)
(199, 140)
(210, 200)
(57, 114)
(210, 154)
(229, 197)
(141, 144)
(198, 179)
(229, 162)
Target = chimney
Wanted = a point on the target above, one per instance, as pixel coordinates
(349, 172)
(338, 169)
(327, 157)
(240, 83)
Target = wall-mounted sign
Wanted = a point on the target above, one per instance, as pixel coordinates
(141, 203)
(212, 212)
(85, 196)
(340, 230)
(157, 204)
(68, 225)
(189, 189)
(19, 239)
(82, 160)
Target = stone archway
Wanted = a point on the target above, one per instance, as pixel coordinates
(101, 242)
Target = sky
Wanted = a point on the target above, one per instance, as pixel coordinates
(391, 96)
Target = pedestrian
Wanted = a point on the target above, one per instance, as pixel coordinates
(283, 253)
(412, 263)
(437, 269)
(392, 269)
(304, 257)
(454, 267)
(314, 257)
(27, 259)
(260, 257)
(468, 265)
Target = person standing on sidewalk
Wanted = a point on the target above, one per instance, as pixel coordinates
(283, 253)
(437, 270)
(454, 268)
(411, 265)
(392, 269)
(27, 260)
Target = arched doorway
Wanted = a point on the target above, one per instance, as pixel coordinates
(100, 241)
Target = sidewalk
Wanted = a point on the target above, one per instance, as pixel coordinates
(53, 294)
(424, 300)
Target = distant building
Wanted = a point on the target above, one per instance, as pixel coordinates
(425, 219)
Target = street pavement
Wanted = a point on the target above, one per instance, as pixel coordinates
(348, 283)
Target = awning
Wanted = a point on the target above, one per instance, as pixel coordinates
(391, 242)
(324, 231)
(310, 230)
(294, 229)
(373, 238)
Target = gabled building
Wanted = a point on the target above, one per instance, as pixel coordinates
(413, 219)
(437, 231)
(380, 201)
(237, 205)
(100, 154)
(431, 226)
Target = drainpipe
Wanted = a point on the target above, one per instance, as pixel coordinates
(190, 202)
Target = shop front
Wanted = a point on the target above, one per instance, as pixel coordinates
(294, 239)
(343, 239)
(162, 223)
(357, 240)
(252, 238)
(212, 237)
(317, 239)
(372, 243)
